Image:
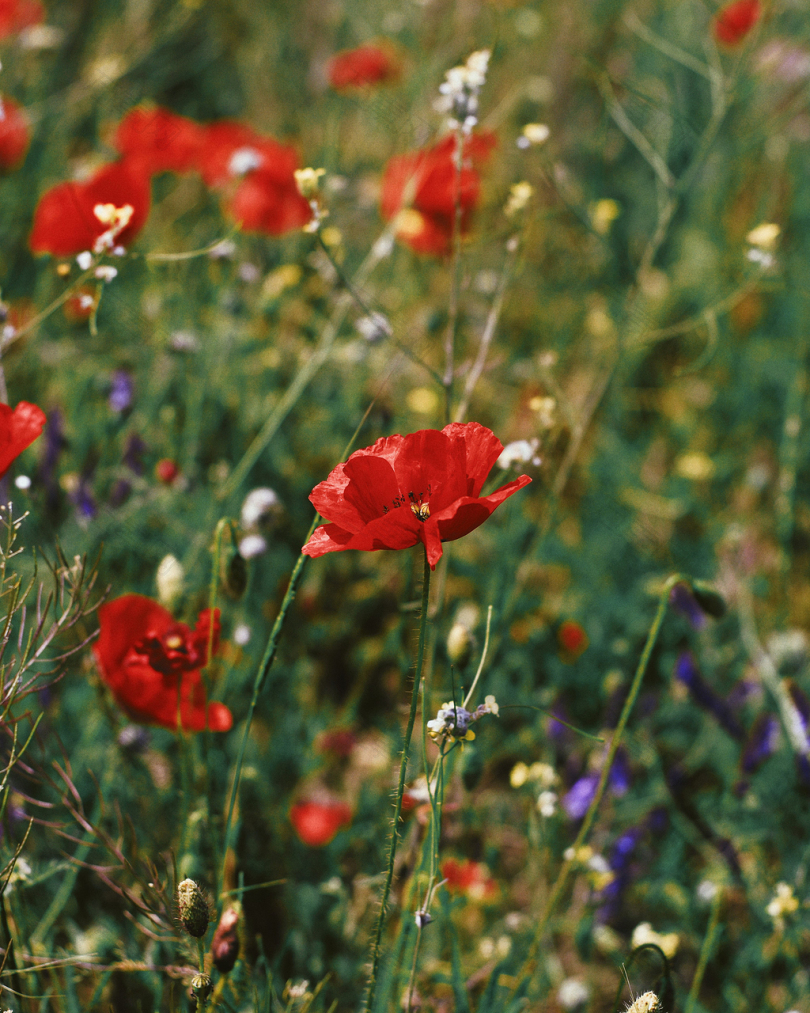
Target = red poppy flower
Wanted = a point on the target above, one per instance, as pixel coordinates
(424, 487)
(18, 430)
(64, 220)
(13, 134)
(160, 140)
(266, 198)
(18, 14)
(368, 64)
(735, 21)
(149, 661)
(470, 878)
(317, 823)
(430, 176)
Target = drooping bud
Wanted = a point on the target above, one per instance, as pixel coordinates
(193, 908)
(235, 575)
(225, 944)
(709, 599)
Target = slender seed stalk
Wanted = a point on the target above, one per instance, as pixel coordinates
(567, 868)
(403, 767)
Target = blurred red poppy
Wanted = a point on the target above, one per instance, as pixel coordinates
(470, 878)
(159, 140)
(266, 198)
(13, 134)
(424, 487)
(573, 640)
(424, 186)
(735, 21)
(368, 64)
(152, 664)
(65, 222)
(18, 430)
(18, 14)
(317, 823)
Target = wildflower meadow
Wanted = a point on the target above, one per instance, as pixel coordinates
(405, 506)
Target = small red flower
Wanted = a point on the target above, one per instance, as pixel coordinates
(160, 140)
(18, 430)
(368, 64)
(470, 878)
(15, 15)
(424, 487)
(166, 470)
(64, 220)
(13, 134)
(430, 176)
(735, 21)
(149, 661)
(80, 305)
(317, 823)
(266, 198)
(573, 639)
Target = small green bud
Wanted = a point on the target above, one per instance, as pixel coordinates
(193, 908)
(709, 599)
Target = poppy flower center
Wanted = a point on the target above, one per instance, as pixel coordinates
(421, 510)
(176, 651)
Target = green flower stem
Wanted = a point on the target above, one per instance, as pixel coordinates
(258, 684)
(403, 767)
(705, 950)
(590, 817)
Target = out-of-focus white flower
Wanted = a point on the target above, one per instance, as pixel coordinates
(547, 803)
(783, 903)
(243, 160)
(573, 993)
(84, 259)
(169, 579)
(258, 505)
(459, 92)
(533, 134)
(707, 890)
(519, 452)
(22, 482)
(667, 942)
(519, 196)
(252, 545)
(241, 635)
(374, 327)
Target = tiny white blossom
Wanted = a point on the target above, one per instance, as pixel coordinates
(547, 803)
(84, 259)
(169, 578)
(22, 482)
(241, 635)
(573, 993)
(243, 160)
(519, 452)
(257, 505)
(252, 545)
(460, 90)
(106, 273)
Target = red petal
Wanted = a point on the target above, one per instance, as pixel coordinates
(13, 134)
(18, 430)
(372, 487)
(160, 139)
(468, 513)
(482, 447)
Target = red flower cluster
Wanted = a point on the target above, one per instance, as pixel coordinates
(152, 664)
(15, 15)
(424, 487)
(13, 134)
(365, 65)
(317, 823)
(266, 198)
(422, 189)
(735, 21)
(256, 172)
(65, 221)
(18, 430)
(470, 878)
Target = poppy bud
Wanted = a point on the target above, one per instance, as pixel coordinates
(710, 600)
(459, 644)
(166, 470)
(225, 944)
(235, 575)
(193, 908)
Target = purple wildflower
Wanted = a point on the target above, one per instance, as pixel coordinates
(684, 602)
(122, 391)
(687, 671)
